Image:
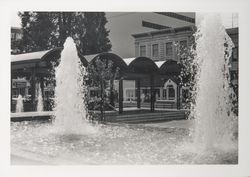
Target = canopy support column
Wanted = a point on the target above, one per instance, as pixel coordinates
(152, 100)
(120, 96)
(112, 98)
(138, 93)
(178, 97)
(33, 89)
(42, 88)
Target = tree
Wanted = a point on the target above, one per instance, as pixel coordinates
(45, 30)
(190, 69)
(188, 73)
(37, 29)
(95, 39)
(100, 73)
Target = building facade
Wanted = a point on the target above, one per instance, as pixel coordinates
(168, 45)
(123, 24)
(153, 74)
(164, 44)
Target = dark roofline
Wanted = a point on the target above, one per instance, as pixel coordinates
(233, 30)
(190, 28)
(177, 16)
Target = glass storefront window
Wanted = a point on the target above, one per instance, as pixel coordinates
(171, 92)
(130, 95)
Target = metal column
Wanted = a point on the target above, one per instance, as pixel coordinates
(120, 96)
(152, 93)
(138, 93)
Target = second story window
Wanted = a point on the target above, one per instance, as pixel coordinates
(142, 50)
(155, 50)
(169, 49)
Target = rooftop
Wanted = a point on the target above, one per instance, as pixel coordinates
(190, 28)
(233, 30)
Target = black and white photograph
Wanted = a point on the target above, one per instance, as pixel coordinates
(80, 95)
(125, 88)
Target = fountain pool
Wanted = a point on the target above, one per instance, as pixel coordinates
(113, 145)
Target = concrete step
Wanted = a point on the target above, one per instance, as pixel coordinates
(150, 120)
(150, 115)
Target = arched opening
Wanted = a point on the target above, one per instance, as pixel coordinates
(170, 91)
(169, 67)
(142, 65)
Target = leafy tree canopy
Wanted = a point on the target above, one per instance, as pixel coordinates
(46, 30)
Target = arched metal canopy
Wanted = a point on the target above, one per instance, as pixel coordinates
(52, 53)
(34, 59)
(168, 67)
(40, 58)
(117, 60)
(129, 65)
(141, 65)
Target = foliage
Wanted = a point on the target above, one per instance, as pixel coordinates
(46, 30)
(101, 76)
(188, 73)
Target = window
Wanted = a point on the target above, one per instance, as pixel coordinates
(169, 49)
(14, 93)
(171, 92)
(235, 54)
(155, 50)
(130, 95)
(157, 94)
(142, 50)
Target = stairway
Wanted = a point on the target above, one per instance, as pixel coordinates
(150, 117)
(158, 104)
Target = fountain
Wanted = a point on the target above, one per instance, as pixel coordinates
(69, 139)
(212, 109)
(19, 104)
(39, 99)
(70, 91)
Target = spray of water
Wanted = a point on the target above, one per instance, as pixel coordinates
(70, 109)
(39, 100)
(212, 109)
(19, 104)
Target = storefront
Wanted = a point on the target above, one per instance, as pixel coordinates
(140, 82)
